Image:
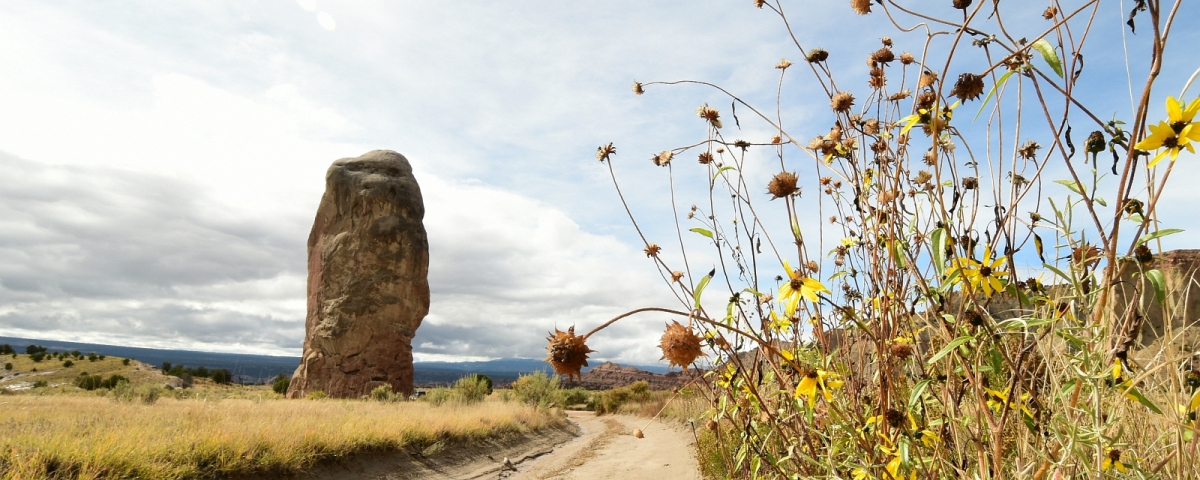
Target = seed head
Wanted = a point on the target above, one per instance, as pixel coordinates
(776, 139)
(1028, 151)
(887, 41)
(568, 352)
(1134, 206)
(817, 55)
(783, 64)
(652, 250)
(605, 151)
(962, 4)
(759, 3)
(927, 78)
(907, 58)
(1143, 254)
(637, 432)
(1085, 255)
(782, 185)
(637, 88)
(923, 176)
(878, 78)
(710, 114)
(894, 417)
(925, 100)
(1050, 12)
(901, 95)
(705, 158)
(662, 159)
(970, 183)
(861, 7)
(842, 102)
(1095, 142)
(882, 56)
(973, 317)
(676, 275)
(680, 346)
(968, 87)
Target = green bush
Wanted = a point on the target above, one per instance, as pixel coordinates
(40, 384)
(384, 393)
(88, 382)
(125, 362)
(611, 400)
(6, 349)
(37, 357)
(575, 396)
(472, 388)
(126, 392)
(8, 366)
(281, 384)
(112, 381)
(68, 364)
(537, 389)
(221, 376)
(317, 395)
(438, 396)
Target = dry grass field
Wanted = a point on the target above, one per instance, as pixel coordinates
(79, 436)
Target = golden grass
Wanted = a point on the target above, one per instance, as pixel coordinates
(93, 437)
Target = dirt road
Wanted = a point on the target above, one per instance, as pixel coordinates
(608, 450)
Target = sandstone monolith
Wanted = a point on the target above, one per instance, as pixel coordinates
(368, 289)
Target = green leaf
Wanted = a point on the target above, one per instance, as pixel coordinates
(721, 170)
(915, 397)
(1071, 184)
(897, 253)
(949, 348)
(1100, 201)
(1159, 234)
(795, 227)
(1060, 273)
(1143, 400)
(700, 287)
(1049, 55)
(702, 232)
(1160, 285)
(938, 245)
(1003, 78)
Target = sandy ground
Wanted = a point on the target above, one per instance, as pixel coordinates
(608, 450)
(589, 447)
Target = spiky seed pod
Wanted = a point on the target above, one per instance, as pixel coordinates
(1028, 151)
(705, 158)
(842, 102)
(817, 55)
(783, 64)
(962, 4)
(680, 346)
(1095, 142)
(923, 176)
(710, 114)
(568, 352)
(968, 87)
(861, 7)
(1050, 12)
(605, 151)
(1085, 255)
(1143, 254)
(637, 88)
(925, 100)
(882, 56)
(652, 250)
(782, 185)
(871, 126)
(878, 79)
(776, 140)
(902, 350)
(907, 58)
(887, 41)
(970, 183)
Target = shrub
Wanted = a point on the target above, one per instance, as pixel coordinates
(187, 379)
(68, 364)
(112, 381)
(37, 357)
(281, 384)
(126, 392)
(472, 388)
(6, 349)
(166, 367)
(438, 396)
(8, 366)
(125, 362)
(383, 393)
(537, 389)
(92, 357)
(32, 349)
(317, 395)
(201, 372)
(40, 384)
(221, 376)
(88, 382)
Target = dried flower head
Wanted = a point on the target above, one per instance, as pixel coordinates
(970, 183)
(907, 58)
(923, 177)
(901, 95)
(1050, 12)
(902, 348)
(968, 87)
(676, 276)
(742, 144)
(817, 55)
(973, 317)
(842, 102)
(1134, 206)
(925, 100)
(1085, 255)
(962, 4)
(887, 41)
(1028, 151)
(871, 126)
(705, 158)
(776, 139)
(652, 250)
(759, 3)
(680, 346)
(895, 418)
(783, 64)
(782, 185)
(605, 151)
(710, 114)
(882, 56)
(662, 159)
(1143, 254)
(861, 7)
(928, 78)
(568, 352)
(637, 88)
(877, 79)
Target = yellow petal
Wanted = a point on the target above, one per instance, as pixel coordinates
(1157, 158)
(1190, 112)
(1174, 110)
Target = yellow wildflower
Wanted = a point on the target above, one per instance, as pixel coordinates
(1175, 134)
(817, 381)
(997, 401)
(796, 287)
(984, 275)
(1112, 459)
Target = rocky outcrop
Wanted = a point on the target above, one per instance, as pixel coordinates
(368, 262)
(1147, 324)
(610, 375)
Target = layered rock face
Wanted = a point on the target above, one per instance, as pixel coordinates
(1150, 324)
(368, 289)
(610, 375)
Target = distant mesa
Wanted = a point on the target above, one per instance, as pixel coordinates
(610, 375)
(368, 289)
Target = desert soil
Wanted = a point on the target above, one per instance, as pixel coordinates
(590, 448)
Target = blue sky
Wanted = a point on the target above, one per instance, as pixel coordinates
(160, 163)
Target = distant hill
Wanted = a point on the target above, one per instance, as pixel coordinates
(260, 368)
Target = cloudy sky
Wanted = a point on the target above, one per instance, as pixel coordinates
(161, 162)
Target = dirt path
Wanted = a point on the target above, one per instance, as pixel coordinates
(608, 450)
